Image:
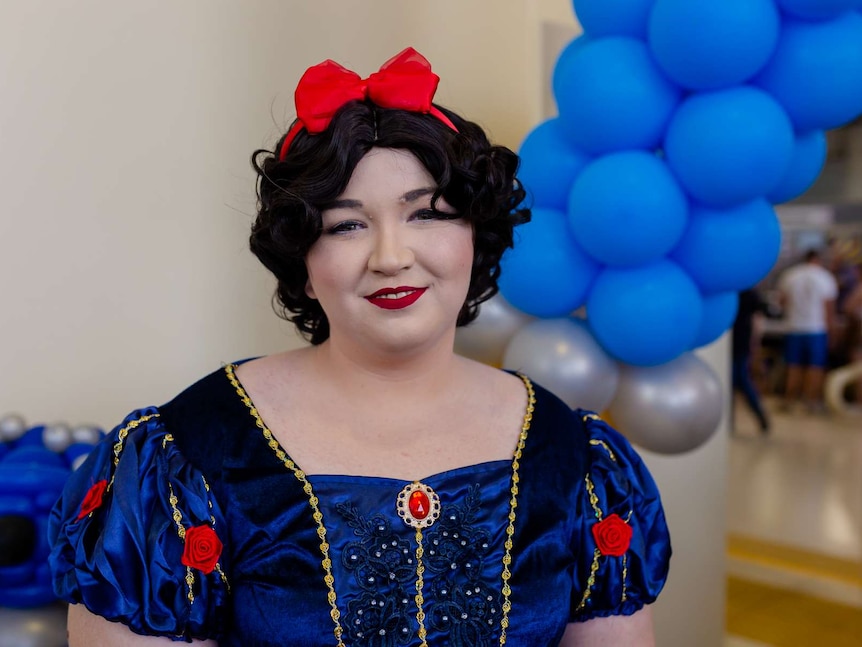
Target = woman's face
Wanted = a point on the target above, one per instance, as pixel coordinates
(388, 270)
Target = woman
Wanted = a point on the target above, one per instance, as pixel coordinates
(373, 488)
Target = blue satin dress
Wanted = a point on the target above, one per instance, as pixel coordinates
(197, 524)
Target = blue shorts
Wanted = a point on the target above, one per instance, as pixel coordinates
(806, 349)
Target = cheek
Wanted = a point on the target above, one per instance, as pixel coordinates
(309, 288)
(328, 269)
(314, 268)
(464, 251)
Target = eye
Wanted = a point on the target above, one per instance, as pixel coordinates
(345, 227)
(434, 214)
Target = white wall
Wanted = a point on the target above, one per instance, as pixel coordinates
(125, 132)
(690, 610)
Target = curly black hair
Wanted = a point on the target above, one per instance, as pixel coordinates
(473, 176)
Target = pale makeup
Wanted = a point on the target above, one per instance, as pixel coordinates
(391, 272)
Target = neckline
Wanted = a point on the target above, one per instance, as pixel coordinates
(282, 453)
(317, 515)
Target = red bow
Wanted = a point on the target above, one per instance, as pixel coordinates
(404, 82)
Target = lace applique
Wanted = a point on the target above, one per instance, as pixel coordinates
(468, 615)
(457, 602)
(383, 566)
(380, 555)
(453, 544)
(380, 620)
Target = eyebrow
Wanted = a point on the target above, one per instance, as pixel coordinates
(410, 196)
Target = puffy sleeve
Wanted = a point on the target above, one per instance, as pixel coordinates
(136, 536)
(624, 547)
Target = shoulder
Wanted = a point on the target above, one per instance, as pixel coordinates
(500, 384)
(202, 418)
(586, 446)
(137, 502)
(619, 533)
(625, 544)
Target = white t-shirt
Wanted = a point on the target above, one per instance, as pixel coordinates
(807, 287)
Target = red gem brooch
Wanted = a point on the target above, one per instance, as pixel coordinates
(418, 505)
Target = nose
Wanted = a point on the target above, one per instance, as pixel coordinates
(392, 252)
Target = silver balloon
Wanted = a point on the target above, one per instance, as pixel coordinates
(670, 408)
(40, 627)
(12, 427)
(563, 356)
(485, 339)
(89, 434)
(57, 437)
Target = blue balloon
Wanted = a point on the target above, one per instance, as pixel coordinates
(646, 315)
(816, 71)
(549, 165)
(611, 96)
(719, 311)
(729, 146)
(613, 17)
(546, 274)
(627, 209)
(809, 156)
(713, 44)
(817, 9)
(729, 249)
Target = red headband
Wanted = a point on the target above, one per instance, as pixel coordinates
(404, 82)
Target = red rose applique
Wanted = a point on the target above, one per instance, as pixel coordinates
(612, 535)
(93, 498)
(202, 549)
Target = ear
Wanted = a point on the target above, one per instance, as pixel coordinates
(309, 289)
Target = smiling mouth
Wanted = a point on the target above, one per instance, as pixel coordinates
(396, 298)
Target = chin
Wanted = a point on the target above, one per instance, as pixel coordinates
(405, 340)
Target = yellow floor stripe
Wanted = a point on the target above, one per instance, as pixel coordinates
(784, 618)
(795, 559)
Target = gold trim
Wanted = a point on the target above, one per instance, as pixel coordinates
(604, 445)
(513, 503)
(624, 597)
(181, 531)
(591, 580)
(121, 439)
(420, 583)
(594, 499)
(317, 515)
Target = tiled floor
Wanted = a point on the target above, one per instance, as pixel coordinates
(795, 531)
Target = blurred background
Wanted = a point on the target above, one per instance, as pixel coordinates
(125, 136)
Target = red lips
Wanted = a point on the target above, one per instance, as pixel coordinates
(396, 298)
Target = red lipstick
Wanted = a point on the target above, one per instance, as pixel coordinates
(396, 298)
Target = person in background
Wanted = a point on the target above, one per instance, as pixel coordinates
(751, 306)
(373, 487)
(808, 293)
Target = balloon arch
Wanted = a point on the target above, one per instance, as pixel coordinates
(680, 124)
